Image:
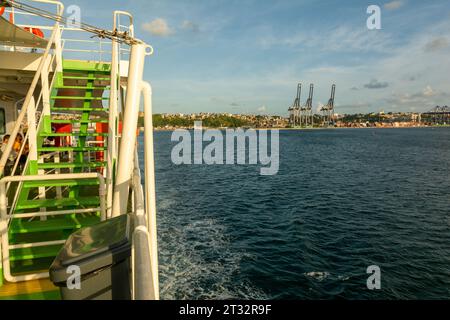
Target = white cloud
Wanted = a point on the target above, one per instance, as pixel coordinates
(190, 26)
(341, 38)
(421, 101)
(158, 27)
(375, 84)
(394, 5)
(397, 65)
(262, 109)
(430, 85)
(428, 92)
(357, 39)
(320, 105)
(357, 107)
(437, 44)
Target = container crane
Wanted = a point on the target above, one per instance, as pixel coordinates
(306, 114)
(294, 110)
(328, 110)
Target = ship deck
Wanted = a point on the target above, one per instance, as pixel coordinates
(42, 289)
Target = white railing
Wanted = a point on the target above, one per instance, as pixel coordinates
(144, 281)
(78, 44)
(29, 106)
(114, 99)
(6, 217)
(143, 285)
(59, 10)
(97, 49)
(145, 263)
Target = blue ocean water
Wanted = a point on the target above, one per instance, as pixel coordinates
(342, 200)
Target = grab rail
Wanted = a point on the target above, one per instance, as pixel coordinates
(143, 286)
(144, 267)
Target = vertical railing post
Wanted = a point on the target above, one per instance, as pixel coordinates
(149, 178)
(32, 136)
(3, 230)
(58, 48)
(45, 87)
(129, 137)
(1, 255)
(4, 255)
(112, 125)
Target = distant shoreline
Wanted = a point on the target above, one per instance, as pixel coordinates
(304, 129)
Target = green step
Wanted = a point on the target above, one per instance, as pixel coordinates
(82, 87)
(65, 202)
(73, 134)
(78, 109)
(21, 226)
(70, 165)
(79, 98)
(86, 66)
(60, 183)
(79, 121)
(86, 78)
(75, 149)
(34, 253)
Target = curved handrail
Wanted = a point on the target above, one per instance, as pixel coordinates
(143, 286)
(117, 14)
(144, 281)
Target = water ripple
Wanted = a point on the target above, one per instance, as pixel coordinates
(343, 200)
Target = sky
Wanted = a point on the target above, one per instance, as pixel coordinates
(247, 56)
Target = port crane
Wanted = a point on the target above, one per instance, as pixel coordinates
(328, 110)
(306, 114)
(294, 110)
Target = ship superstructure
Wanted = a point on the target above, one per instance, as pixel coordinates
(69, 104)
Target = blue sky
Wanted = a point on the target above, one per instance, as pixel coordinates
(247, 56)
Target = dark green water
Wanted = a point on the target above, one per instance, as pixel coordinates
(343, 200)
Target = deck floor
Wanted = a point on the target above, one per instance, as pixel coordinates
(35, 289)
